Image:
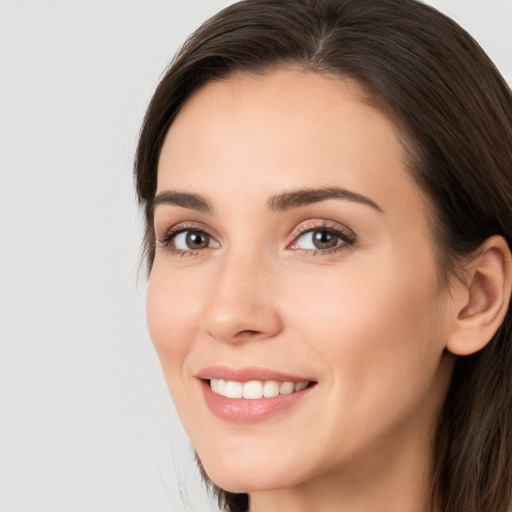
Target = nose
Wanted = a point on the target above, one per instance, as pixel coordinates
(241, 304)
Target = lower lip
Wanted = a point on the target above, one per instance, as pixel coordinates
(239, 410)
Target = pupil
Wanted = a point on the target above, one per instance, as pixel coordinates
(324, 239)
(196, 240)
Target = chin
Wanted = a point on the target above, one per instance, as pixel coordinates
(244, 476)
(232, 481)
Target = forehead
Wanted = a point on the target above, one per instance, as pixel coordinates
(287, 128)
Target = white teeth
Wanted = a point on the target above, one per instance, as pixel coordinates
(214, 384)
(255, 389)
(218, 386)
(270, 389)
(234, 389)
(299, 386)
(286, 388)
(221, 386)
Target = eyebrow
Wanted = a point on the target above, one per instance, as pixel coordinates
(183, 199)
(302, 197)
(277, 203)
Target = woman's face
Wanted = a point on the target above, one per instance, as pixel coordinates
(293, 250)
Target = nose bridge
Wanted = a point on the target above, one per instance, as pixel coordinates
(241, 304)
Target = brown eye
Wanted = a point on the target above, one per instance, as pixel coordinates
(197, 240)
(324, 239)
(191, 240)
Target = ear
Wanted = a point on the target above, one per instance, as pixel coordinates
(481, 301)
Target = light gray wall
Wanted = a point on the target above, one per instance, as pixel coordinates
(85, 420)
(489, 22)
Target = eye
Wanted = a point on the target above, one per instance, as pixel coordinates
(318, 239)
(192, 240)
(323, 239)
(187, 241)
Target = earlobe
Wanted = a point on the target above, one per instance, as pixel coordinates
(485, 299)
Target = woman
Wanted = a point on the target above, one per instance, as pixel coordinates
(327, 187)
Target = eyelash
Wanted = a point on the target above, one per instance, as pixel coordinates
(346, 236)
(165, 241)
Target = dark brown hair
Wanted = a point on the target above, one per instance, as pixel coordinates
(454, 112)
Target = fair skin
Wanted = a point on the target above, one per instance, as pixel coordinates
(341, 292)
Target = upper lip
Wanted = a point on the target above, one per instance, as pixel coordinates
(247, 374)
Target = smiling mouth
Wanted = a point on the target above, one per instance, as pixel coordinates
(255, 389)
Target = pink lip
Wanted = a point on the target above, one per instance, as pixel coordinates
(238, 410)
(247, 374)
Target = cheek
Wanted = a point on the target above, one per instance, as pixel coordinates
(387, 303)
(378, 329)
(172, 310)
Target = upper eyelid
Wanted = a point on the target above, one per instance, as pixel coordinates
(319, 224)
(183, 226)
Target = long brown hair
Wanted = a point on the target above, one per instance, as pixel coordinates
(454, 112)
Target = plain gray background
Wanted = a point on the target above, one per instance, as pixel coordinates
(86, 424)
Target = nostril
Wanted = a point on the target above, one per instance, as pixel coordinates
(247, 333)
